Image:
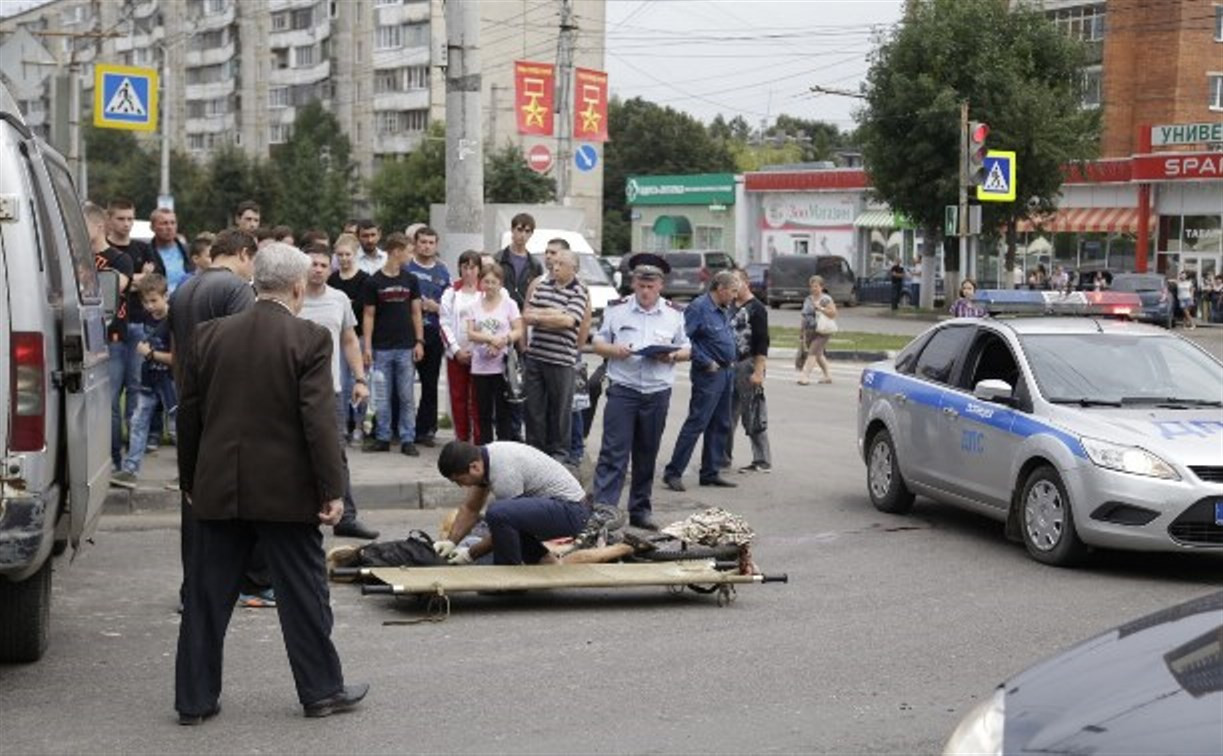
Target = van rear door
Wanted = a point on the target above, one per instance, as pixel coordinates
(83, 371)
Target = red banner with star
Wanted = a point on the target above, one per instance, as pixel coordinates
(590, 105)
(534, 88)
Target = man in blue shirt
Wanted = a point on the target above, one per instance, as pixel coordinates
(434, 279)
(713, 363)
(642, 337)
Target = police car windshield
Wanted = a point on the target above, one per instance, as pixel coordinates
(1113, 369)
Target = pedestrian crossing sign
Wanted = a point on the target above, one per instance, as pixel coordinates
(999, 184)
(124, 97)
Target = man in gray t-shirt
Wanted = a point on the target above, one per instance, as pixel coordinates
(534, 499)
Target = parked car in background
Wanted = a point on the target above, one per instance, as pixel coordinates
(877, 288)
(788, 276)
(611, 264)
(758, 279)
(1152, 685)
(1152, 288)
(691, 271)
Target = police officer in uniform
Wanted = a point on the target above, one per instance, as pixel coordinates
(707, 323)
(642, 337)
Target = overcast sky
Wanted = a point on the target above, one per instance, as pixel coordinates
(755, 58)
(744, 57)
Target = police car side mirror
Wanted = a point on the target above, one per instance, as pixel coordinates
(994, 390)
(108, 284)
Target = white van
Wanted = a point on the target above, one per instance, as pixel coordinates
(590, 272)
(54, 387)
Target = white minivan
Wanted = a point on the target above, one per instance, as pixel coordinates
(55, 416)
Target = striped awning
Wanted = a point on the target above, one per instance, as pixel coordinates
(1087, 219)
(881, 219)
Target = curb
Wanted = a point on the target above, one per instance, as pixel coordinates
(844, 355)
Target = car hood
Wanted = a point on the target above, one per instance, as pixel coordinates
(1154, 685)
(1191, 436)
(600, 295)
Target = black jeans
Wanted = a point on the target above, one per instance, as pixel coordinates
(428, 369)
(549, 406)
(493, 411)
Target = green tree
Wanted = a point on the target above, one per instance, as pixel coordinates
(315, 172)
(816, 140)
(230, 176)
(650, 139)
(1019, 75)
(120, 167)
(507, 178)
(402, 190)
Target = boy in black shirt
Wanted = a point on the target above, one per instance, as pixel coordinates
(393, 337)
(107, 257)
(350, 279)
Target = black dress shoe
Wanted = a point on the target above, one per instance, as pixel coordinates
(644, 523)
(719, 482)
(347, 698)
(675, 484)
(189, 720)
(426, 441)
(374, 445)
(354, 529)
(409, 449)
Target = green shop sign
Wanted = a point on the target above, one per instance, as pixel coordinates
(697, 189)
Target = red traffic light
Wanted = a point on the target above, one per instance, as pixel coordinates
(978, 131)
(974, 159)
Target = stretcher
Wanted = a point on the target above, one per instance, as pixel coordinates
(436, 584)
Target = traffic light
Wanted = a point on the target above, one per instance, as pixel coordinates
(977, 132)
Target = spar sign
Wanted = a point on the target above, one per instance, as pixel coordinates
(1179, 166)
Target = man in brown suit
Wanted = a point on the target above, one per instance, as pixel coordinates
(260, 460)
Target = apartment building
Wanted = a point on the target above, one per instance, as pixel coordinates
(235, 71)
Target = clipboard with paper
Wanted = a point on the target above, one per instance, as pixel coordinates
(653, 350)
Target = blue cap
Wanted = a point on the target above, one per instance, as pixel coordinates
(649, 265)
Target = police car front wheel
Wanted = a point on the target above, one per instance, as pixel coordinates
(1048, 521)
(887, 489)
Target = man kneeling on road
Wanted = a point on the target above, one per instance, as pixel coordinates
(533, 499)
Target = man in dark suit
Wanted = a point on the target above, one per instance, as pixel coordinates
(260, 460)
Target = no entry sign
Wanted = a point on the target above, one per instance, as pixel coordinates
(539, 158)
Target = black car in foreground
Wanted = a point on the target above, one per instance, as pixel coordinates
(1154, 685)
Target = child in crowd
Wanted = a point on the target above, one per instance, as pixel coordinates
(201, 252)
(156, 381)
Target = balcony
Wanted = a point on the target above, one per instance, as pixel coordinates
(137, 41)
(299, 37)
(399, 144)
(193, 58)
(278, 5)
(400, 56)
(404, 13)
(291, 76)
(144, 9)
(206, 21)
(211, 124)
(210, 91)
(416, 99)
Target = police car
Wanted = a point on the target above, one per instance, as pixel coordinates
(1074, 431)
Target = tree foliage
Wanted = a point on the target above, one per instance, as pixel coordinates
(649, 139)
(508, 179)
(315, 174)
(1019, 75)
(402, 190)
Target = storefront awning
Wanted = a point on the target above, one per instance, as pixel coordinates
(882, 219)
(1087, 219)
(672, 225)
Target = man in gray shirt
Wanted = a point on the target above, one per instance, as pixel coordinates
(534, 499)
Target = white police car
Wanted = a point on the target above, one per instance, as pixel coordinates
(1074, 431)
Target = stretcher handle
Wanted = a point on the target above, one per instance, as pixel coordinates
(370, 590)
(346, 572)
(782, 578)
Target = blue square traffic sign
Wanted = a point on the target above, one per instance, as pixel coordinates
(125, 97)
(999, 184)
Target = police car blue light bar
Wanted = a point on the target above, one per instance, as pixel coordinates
(1030, 302)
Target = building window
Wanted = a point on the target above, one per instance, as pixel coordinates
(1219, 23)
(1084, 22)
(416, 35)
(388, 37)
(1092, 87)
(708, 237)
(278, 97)
(388, 122)
(379, 3)
(206, 74)
(279, 133)
(303, 56)
(280, 58)
(218, 106)
(303, 19)
(1216, 91)
(404, 79)
(209, 40)
(214, 7)
(280, 21)
(195, 142)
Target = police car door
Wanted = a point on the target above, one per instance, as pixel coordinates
(82, 373)
(979, 432)
(928, 443)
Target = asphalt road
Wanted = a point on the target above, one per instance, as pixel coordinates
(888, 631)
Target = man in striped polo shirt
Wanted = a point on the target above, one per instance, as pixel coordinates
(558, 313)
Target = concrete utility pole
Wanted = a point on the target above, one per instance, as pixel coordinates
(564, 118)
(966, 265)
(464, 151)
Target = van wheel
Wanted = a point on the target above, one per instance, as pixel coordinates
(25, 617)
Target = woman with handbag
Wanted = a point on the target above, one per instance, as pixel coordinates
(494, 324)
(819, 323)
